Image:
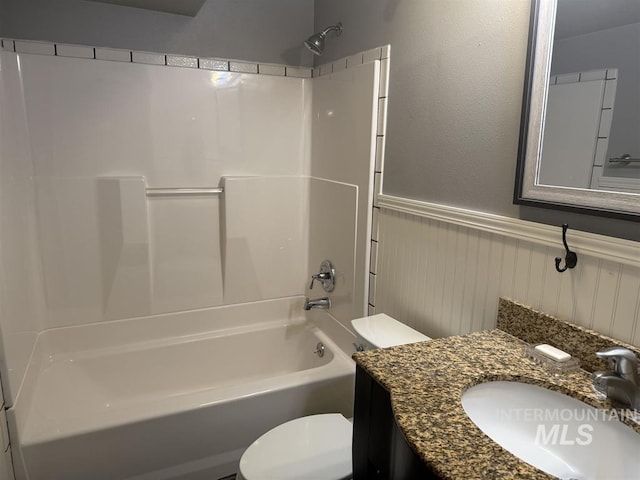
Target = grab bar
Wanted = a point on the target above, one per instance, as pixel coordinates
(171, 192)
(624, 159)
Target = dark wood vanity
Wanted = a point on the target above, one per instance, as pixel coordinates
(380, 451)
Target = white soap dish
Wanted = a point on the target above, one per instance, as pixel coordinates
(552, 358)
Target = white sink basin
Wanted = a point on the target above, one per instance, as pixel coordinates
(558, 434)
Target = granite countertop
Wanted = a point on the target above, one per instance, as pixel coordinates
(426, 381)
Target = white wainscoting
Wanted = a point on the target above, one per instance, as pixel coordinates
(441, 270)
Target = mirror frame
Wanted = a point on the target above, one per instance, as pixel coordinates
(534, 101)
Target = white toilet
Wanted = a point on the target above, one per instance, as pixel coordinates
(318, 447)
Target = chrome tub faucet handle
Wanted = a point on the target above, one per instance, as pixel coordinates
(326, 276)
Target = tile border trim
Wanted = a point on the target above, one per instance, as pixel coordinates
(382, 55)
(202, 63)
(355, 60)
(155, 58)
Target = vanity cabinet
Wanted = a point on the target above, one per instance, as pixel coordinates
(380, 451)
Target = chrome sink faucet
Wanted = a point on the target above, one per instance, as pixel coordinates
(622, 384)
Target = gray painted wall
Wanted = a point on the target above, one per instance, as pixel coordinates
(258, 30)
(456, 80)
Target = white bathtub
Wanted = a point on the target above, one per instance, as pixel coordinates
(107, 402)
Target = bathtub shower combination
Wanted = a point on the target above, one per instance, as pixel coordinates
(159, 226)
(189, 403)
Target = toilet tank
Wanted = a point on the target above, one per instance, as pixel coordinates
(382, 331)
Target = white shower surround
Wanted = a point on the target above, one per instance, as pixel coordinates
(149, 126)
(78, 179)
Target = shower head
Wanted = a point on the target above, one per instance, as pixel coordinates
(315, 43)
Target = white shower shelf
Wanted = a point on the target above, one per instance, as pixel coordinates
(171, 192)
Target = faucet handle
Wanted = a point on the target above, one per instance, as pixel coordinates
(322, 276)
(326, 276)
(623, 362)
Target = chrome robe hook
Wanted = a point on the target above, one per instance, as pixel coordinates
(570, 258)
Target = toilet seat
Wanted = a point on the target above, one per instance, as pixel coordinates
(317, 447)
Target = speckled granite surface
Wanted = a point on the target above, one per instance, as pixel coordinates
(536, 327)
(426, 381)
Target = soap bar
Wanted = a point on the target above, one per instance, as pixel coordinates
(553, 353)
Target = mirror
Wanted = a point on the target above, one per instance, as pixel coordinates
(580, 131)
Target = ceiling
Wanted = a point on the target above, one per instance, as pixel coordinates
(181, 7)
(577, 17)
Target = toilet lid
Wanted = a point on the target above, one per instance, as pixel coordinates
(317, 447)
(383, 331)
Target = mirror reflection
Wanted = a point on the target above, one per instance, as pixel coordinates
(592, 124)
